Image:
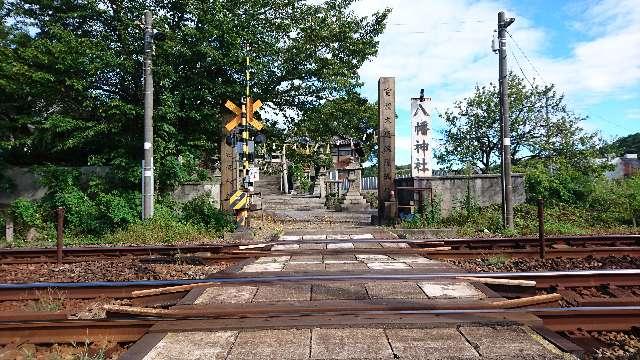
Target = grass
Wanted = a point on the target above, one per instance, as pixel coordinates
(496, 260)
(559, 220)
(159, 230)
(51, 301)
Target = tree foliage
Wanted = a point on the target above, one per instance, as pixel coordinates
(541, 127)
(348, 116)
(629, 144)
(71, 74)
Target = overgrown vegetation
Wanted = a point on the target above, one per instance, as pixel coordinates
(561, 162)
(428, 215)
(333, 202)
(595, 205)
(371, 198)
(50, 300)
(96, 214)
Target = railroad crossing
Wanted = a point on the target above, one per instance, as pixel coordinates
(345, 309)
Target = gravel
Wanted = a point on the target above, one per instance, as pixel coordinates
(618, 345)
(122, 269)
(497, 264)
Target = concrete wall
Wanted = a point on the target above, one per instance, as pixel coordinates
(485, 189)
(27, 186)
(188, 191)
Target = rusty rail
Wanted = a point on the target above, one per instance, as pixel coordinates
(622, 277)
(131, 329)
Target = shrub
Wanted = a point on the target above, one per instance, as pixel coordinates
(333, 202)
(300, 178)
(164, 228)
(201, 211)
(26, 215)
(558, 183)
(82, 215)
(372, 198)
(428, 215)
(119, 209)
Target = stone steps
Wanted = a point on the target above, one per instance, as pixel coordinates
(268, 185)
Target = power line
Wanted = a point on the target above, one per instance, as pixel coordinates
(446, 22)
(526, 57)
(520, 67)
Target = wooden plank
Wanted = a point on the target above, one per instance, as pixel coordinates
(171, 289)
(528, 301)
(499, 281)
(159, 300)
(77, 331)
(31, 316)
(305, 308)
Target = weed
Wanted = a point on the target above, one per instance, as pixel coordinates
(51, 301)
(496, 260)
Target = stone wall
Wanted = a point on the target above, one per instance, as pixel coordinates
(26, 186)
(188, 191)
(485, 189)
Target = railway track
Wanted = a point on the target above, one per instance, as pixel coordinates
(557, 246)
(544, 280)
(52, 329)
(619, 312)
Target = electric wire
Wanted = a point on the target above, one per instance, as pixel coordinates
(525, 56)
(520, 67)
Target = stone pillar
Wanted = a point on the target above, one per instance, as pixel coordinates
(8, 228)
(353, 200)
(386, 145)
(322, 186)
(285, 176)
(358, 182)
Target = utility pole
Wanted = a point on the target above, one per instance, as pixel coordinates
(147, 171)
(507, 188)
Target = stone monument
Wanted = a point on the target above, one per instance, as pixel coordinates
(387, 207)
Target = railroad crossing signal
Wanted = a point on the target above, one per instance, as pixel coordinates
(251, 108)
(239, 200)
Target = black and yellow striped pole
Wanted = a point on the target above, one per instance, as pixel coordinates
(242, 213)
(240, 200)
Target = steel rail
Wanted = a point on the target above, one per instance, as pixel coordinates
(74, 254)
(621, 277)
(613, 318)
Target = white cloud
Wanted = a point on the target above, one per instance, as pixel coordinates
(445, 48)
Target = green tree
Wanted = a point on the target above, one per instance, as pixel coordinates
(629, 144)
(541, 127)
(71, 85)
(348, 116)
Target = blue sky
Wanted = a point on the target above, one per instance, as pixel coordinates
(589, 49)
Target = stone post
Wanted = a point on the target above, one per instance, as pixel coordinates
(386, 146)
(8, 228)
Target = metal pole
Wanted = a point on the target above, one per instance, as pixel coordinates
(541, 227)
(242, 214)
(507, 199)
(285, 174)
(60, 234)
(148, 117)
